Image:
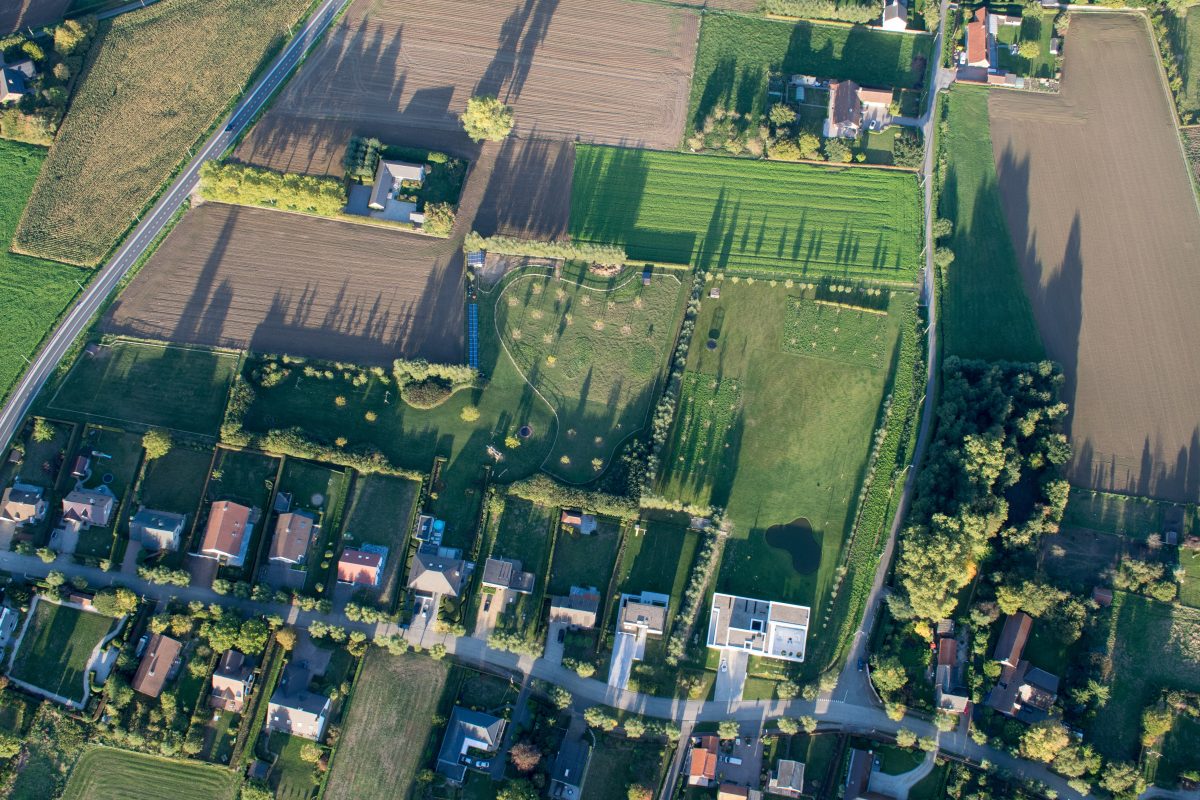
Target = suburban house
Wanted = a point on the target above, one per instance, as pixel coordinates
(578, 521)
(505, 573)
(702, 761)
(295, 710)
(760, 627)
(15, 83)
(468, 731)
(231, 682)
(156, 530)
(977, 40)
(21, 504)
(853, 108)
(643, 614)
(895, 15)
(858, 777)
(293, 532)
(362, 566)
(435, 572)
(578, 609)
(228, 533)
(569, 770)
(84, 508)
(1022, 690)
(160, 656)
(392, 178)
(787, 779)
(948, 694)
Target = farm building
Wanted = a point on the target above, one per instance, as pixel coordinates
(227, 534)
(293, 532)
(361, 567)
(22, 504)
(156, 530)
(157, 663)
(1022, 690)
(760, 627)
(853, 108)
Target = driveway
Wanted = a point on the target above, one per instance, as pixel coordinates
(897, 786)
(203, 570)
(554, 648)
(624, 648)
(488, 613)
(748, 772)
(732, 679)
(129, 564)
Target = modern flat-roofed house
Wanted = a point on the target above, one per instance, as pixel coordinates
(231, 682)
(579, 609)
(361, 566)
(295, 710)
(759, 627)
(293, 532)
(85, 508)
(569, 770)
(228, 533)
(22, 503)
(702, 761)
(157, 661)
(437, 574)
(895, 16)
(787, 779)
(578, 521)
(643, 614)
(156, 530)
(977, 40)
(472, 737)
(505, 573)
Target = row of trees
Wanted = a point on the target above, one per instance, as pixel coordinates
(228, 182)
(605, 254)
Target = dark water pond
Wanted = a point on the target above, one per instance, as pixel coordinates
(797, 540)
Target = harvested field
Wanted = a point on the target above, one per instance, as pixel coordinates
(18, 14)
(277, 282)
(403, 72)
(522, 188)
(1107, 236)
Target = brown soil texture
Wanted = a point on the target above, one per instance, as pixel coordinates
(1105, 224)
(609, 71)
(277, 282)
(19, 14)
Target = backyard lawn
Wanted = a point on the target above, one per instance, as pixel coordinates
(116, 456)
(985, 311)
(1189, 592)
(618, 764)
(104, 773)
(175, 482)
(57, 647)
(741, 216)
(143, 384)
(658, 559)
(33, 291)
(384, 711)
(1178, 750)
(1040, 29)
(526, 532)
(380, 512)
(595, 351)
(585, 560)
(242, 476)
(291, 777)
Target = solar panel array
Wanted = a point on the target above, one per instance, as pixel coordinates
(473, 335)
(475, 258)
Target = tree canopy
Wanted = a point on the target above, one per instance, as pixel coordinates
(487, 119)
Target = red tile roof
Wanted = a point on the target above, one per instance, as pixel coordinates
(977, 52)
(357, 566)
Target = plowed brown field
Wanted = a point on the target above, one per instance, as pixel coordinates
(18, 14)
(1105, 224)
(609, 71)
(283, 283)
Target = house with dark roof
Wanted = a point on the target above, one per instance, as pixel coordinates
(1022, 690)
(12, 87)
(293, 533)
(294, 710)
(228, 532)
(1012, 639)
(435, 572)
(506, 573)
(787, 779)
(156, 530)
(22, 504)
(231, 682)
(472, 737)
(157, 662)
(569, 770)
(578, 610)
(87, 508)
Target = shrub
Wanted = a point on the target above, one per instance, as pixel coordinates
(439, 219)
(157, 443)
(469, 414)
(252, 186)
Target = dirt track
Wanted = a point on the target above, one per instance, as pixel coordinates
(1105, 225)
(609, 71)
(283, 283)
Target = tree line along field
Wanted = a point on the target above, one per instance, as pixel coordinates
(104, 773)
(33, 291)
(135, 113)
(736, 215)
(737, 53)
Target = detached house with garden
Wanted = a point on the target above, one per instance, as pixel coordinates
(228, 532)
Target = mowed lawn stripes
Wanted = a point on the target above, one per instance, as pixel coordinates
(738, 215)
(108, 774)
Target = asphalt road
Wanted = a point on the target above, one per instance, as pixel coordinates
(77, 319)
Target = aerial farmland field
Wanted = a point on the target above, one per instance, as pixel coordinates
(276, 282)
(108, 774)
(740, 216)
(132, 120)
(403, 72)
(1108, 248)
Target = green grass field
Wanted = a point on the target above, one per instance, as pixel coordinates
(291, 777)
(736, 53)
(1189, 592)
(1153, 647)
(741, 216)
(242, 476)
(619, 763)
(1178, 750)
(385, 710)
(595, 351)
(849, 335)
(42, 458)
(985, 312)
(175, 482)
(132, 119)
(1136, 517)
(57, 647)
(104, 773)
(706, 426)
(584, 560)
(134, 383)
(657, 560)
(379, 513)
(33, 292)
(1185, 35)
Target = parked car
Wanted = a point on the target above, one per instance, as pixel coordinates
(141, 645)
(562, 635)
(862, 664)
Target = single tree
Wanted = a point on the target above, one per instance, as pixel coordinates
(525, 756)
(43, 431)
(781, 114)
(1043, 740)
(487, 119)
(157, 443)
(905, 738)
(728, 729)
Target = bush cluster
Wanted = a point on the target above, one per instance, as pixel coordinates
(253, 186)
(664, 411)
(708, 554)
(541, 489)
(604, 254)
(165, 576)
(840, 10)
